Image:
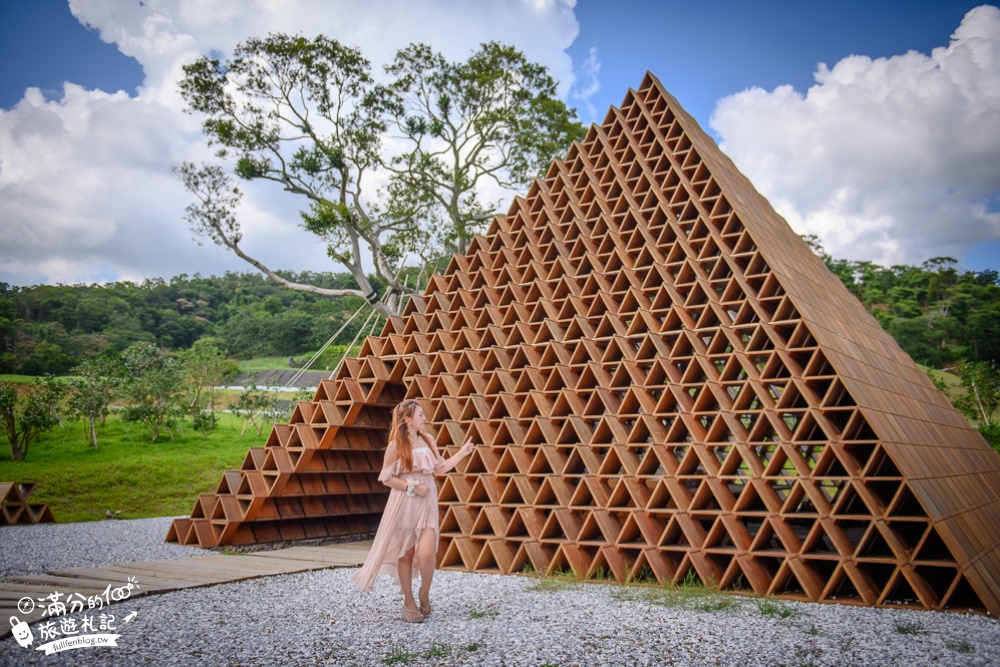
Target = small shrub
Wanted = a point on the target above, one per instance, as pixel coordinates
(910, 628)
(548, 585)
(204, 422)
(691, 580)
(398, 654)
(696, 598)
(712, 603)
(959, 645)
(643, 576)
(811, 630)
(992, 435)
(225, 551)
(772, 608)
(438, 651)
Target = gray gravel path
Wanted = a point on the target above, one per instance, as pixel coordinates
(318, 618)
(35, 549)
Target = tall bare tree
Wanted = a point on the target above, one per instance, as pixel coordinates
(308, 116)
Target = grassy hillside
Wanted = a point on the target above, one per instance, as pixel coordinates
(127, 472)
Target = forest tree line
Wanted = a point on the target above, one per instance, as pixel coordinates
(54, 328)
(939, 315)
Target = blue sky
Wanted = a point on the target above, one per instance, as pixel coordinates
(702, 51)
(42, 45)
(901, 166)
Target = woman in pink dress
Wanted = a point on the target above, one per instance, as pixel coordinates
(407, 536)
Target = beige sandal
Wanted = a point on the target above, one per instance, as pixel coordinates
(410, 616)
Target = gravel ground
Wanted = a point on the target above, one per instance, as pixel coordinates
(35, 549)
(318, 618)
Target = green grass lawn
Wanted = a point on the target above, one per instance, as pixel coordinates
(951, 380)
(127, 472)
(28, 379)
(17, 379)
(330, 358)
(269, 363)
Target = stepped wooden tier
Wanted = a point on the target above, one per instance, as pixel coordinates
(664, 380)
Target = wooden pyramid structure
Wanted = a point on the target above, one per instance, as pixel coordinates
(664, 381)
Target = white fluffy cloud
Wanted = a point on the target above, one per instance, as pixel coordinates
(86, 191)
(895, 160)
(589, 84)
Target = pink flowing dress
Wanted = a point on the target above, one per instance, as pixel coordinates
(403, 519)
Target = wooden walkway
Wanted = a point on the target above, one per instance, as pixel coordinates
(164, 576)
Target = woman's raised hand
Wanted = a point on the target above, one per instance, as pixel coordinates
(466, 448)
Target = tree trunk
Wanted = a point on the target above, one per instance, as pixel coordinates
(10, 424)
(16, 452)
(92, 432)
(979, 403)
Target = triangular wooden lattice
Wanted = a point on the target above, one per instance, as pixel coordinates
(15, 508)
(665, 381)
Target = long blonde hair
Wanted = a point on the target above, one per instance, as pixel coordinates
(397, 433)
